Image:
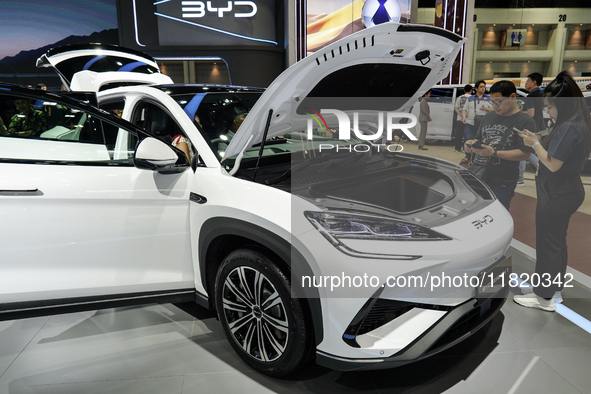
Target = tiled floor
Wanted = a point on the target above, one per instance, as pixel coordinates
(181, 349)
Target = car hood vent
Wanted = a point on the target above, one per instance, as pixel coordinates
(364, 42)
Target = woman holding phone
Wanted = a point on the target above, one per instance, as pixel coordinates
(560, 191)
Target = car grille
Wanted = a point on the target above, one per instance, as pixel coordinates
(377, 312)
(384, 311)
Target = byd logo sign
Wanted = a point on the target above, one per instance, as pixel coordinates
(198, 9)
(345, 124)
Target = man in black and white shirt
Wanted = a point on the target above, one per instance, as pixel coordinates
(502, 148)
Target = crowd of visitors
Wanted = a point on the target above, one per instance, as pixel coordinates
(499, 137)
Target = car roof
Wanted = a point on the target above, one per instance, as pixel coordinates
(205, 88)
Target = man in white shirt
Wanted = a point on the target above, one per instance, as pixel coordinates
(458, 124)
(474, 110)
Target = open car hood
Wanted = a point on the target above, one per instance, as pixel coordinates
(389, 60)
(90, 67)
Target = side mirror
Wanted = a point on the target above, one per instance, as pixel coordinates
(153, 154)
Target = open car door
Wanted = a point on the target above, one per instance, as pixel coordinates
(93, 67)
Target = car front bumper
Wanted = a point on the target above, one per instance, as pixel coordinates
(458, 324)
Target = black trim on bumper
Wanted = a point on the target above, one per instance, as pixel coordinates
(438, 339)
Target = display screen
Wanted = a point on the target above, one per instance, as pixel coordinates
(206, 23)
(328, 21)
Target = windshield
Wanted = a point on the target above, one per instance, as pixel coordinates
(217, 115)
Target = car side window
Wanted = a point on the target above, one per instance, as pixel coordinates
(157, 122)
(441, 95)
(52, 131)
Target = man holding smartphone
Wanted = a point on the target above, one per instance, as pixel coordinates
(497, 145)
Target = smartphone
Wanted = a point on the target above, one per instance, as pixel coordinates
(477, 145)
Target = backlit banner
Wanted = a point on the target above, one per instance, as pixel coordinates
(330, 20)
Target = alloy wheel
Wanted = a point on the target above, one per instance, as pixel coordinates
(255, 313)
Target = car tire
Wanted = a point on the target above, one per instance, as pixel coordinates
(265, 325)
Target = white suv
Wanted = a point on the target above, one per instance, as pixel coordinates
(258, 222)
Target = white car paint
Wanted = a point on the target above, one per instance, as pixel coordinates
(92, 230)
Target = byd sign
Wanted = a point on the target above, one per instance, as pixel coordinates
(386, 118)
(238, 9)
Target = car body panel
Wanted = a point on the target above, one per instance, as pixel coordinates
(125, 229)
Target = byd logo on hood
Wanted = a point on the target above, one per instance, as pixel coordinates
(345, 124)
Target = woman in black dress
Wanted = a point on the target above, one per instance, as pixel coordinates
(559, 187)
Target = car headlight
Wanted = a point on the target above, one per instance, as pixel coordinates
(354, 226)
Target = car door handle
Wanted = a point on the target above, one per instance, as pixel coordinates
(20, 192)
